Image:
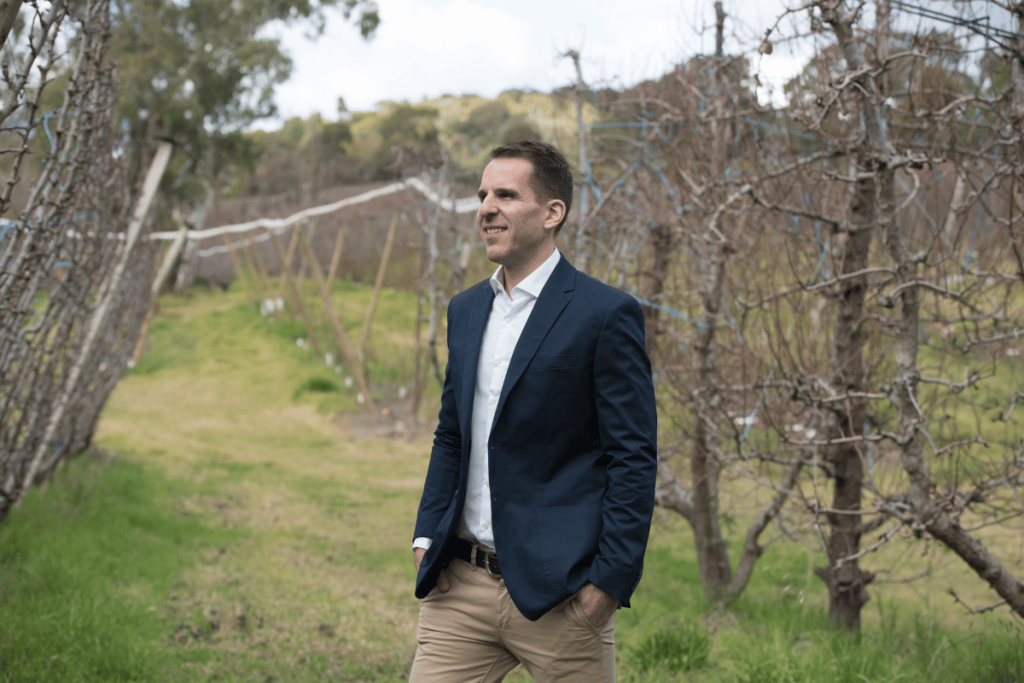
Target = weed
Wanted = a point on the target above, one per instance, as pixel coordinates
(672, 649)
(323, 385)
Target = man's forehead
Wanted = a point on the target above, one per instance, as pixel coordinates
(507, 172)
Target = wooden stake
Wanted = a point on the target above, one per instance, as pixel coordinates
(302, 261)
(140, 345)
(254, 272)
(171, 256)
(339, 244)
(261, 264)
(297, 296)
(376, 287)
(287, 264)
(328, 305)
(237, 266)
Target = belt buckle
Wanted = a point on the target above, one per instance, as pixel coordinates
(494, 571)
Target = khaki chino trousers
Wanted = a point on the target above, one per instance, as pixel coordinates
(475, 634)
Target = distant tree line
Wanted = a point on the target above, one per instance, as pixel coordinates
(399, 140)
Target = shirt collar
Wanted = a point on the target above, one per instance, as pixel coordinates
(533, 283)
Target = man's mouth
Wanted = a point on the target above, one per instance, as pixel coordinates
(493, 230)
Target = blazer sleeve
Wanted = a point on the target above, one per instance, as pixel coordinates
(445, 457)
(628, 428)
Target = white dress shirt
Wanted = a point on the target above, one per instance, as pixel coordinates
(508, 317)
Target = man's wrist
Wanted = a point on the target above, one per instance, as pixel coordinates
(421, 542)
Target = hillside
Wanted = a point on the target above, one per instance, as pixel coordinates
(399, 139)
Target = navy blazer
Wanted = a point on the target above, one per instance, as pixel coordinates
(572, 450)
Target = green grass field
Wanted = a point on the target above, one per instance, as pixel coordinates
(239, 519)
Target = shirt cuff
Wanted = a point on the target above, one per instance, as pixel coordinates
(421, 542)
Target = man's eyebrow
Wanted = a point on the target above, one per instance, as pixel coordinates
(500, 190)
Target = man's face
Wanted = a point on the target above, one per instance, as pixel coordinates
(518, 230)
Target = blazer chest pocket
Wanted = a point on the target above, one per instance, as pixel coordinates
(553, 362)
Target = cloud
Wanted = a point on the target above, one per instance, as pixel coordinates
(448, 34)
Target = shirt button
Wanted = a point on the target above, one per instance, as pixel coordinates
(485, 525)
(486, 483)
(493, 401)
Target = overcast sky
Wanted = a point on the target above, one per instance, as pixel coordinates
(427, 48)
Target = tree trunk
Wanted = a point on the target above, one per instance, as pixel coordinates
(8, 15)
(582, 239)
(187, 267)
(845, 580)
(712, 553)
(1016, 116)
(931, 513)
(435, 296)
(719, 29)
(661, 258)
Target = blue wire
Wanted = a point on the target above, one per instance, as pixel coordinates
(677, 314)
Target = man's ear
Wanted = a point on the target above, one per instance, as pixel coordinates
(555, 212)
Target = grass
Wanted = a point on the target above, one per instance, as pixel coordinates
(83, 567)
(673, 649)
(240, 520)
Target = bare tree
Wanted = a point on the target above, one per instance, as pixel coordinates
(846, 417)
(687, 182)
(814, 249)
(868, 104)
(74, 286)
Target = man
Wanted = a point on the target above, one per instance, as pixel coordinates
(540, 490)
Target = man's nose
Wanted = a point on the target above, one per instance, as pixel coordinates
(487, 207)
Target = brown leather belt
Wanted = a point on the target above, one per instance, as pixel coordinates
(477, 555)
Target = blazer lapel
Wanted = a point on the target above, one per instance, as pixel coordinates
(479, 311)
(552, 301)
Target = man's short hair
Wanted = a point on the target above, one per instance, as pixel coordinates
(551, 177)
